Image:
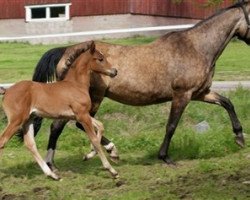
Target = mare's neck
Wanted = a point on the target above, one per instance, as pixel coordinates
(211, 36)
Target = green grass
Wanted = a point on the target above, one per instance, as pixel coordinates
(210, 164)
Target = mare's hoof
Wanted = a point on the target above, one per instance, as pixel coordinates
(239, 139)
(115, 159)
(167, 160)
(52, 167)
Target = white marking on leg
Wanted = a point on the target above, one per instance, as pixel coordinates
(109, 146)
(31, 145)
(91, 154)
(50, 155)
(112, 149)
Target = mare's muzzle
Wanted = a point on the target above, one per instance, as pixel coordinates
(113, 72)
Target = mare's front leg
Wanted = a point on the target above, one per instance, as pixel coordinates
(56, 129)
(179, 103)
(215, 98)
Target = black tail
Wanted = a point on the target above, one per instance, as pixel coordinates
(45, 68)
(45, 72)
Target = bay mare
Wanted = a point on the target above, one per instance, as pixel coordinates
(68, 99)
(176, 67)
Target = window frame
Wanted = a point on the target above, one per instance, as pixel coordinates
(28, 12)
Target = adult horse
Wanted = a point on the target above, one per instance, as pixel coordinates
(176, 67)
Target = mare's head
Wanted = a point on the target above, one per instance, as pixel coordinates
(243, 32)
(97, 62)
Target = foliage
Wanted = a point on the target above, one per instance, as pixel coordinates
(207, 3)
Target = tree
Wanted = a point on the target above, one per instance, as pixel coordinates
(208, 2)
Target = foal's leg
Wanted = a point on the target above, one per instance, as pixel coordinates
(215, 98)
(105, 142)
(179, 104)
(110, 148)
(31, 145)
(100, 129)
(56, 129)
(9, 131)
(86, 121)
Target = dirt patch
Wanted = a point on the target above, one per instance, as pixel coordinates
(12, 197)
(228, 184)
(41, 192)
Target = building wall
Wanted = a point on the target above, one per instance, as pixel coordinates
(99, 7)
(14, 9)
(187, 8)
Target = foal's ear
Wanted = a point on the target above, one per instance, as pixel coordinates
(92, 47)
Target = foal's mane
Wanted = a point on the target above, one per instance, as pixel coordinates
(45, 70)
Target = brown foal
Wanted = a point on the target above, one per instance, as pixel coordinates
(68, 99)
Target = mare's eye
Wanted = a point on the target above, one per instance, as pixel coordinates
(100, 59)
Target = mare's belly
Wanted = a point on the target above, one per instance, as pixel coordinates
(139, 94)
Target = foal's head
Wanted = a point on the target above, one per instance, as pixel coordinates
(98, 62)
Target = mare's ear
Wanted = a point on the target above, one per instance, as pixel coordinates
(92, 47)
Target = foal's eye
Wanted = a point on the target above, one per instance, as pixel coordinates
(100, 59)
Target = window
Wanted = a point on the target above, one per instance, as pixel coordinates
(48, 12)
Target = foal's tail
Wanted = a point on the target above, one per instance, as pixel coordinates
(2, 90)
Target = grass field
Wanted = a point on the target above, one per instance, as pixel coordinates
(210, 164)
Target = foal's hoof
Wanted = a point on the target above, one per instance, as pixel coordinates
(239, 139)
(115, 175)
(54, 177)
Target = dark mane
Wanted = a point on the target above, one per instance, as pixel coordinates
(45, 68)
(219, 12)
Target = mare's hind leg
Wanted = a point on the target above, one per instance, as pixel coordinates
(56, 129)
(215, 98)
(179, 103)
(29, 142)
(86, 121)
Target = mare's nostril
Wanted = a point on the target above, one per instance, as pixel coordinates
(114, 72)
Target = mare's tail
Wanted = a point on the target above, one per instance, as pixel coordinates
(45, 71)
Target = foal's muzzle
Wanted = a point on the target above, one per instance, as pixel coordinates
(113, 72)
